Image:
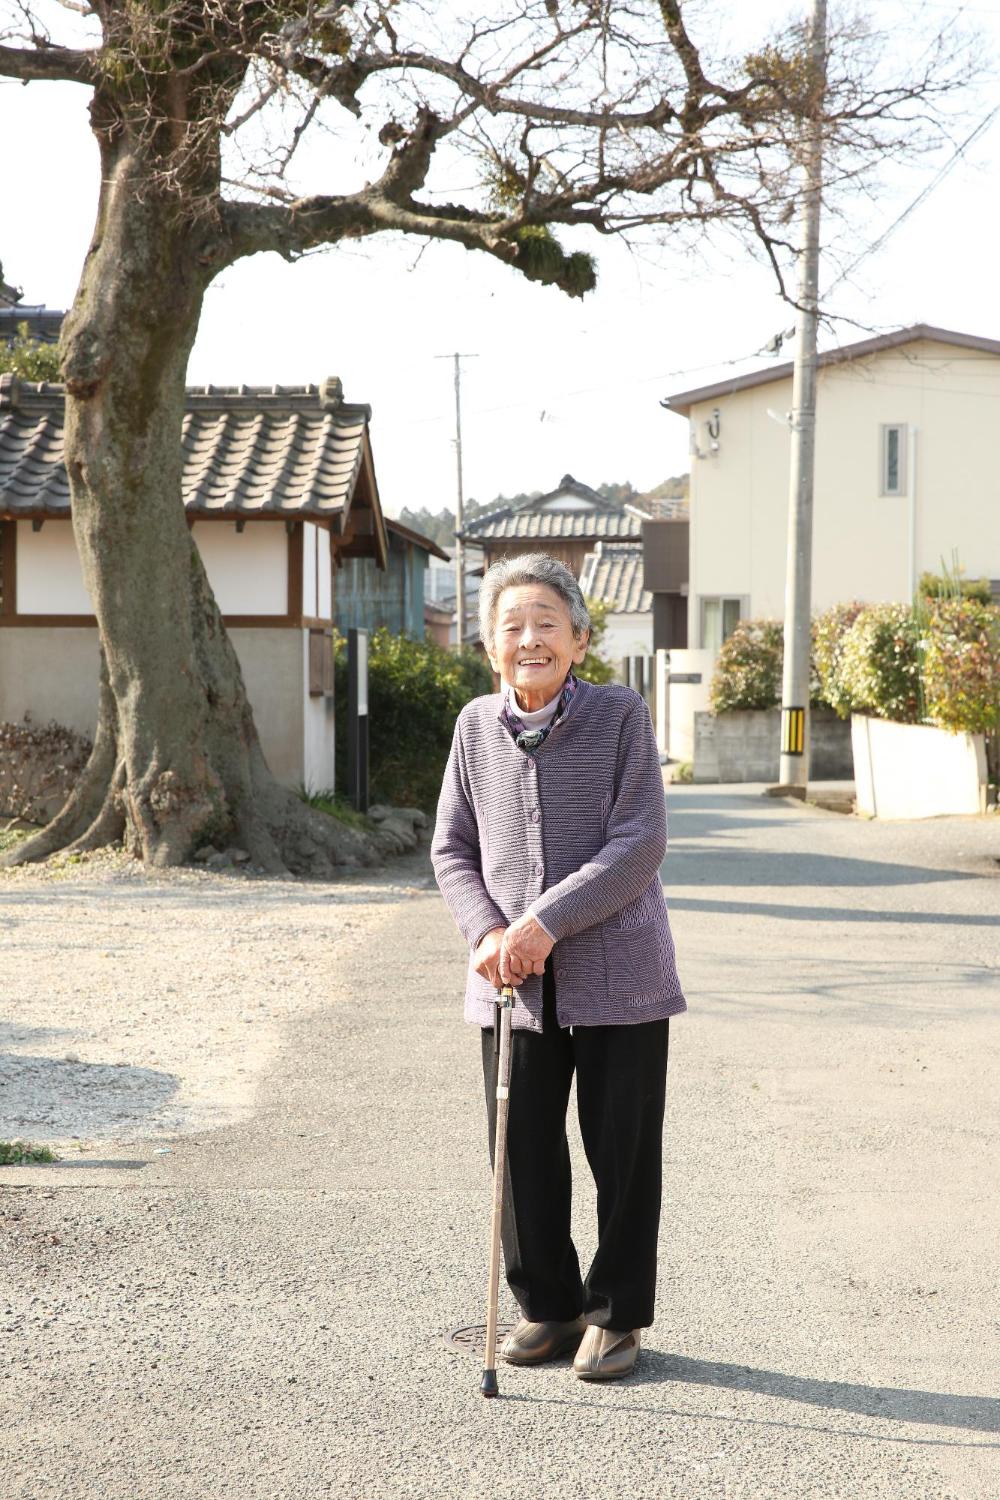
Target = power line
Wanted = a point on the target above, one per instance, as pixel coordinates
(925, 193)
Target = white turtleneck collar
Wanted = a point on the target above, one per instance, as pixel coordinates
(541, 718)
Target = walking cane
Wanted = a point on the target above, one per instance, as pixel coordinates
(504, 1002)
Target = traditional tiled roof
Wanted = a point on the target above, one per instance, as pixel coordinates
(615, 576)
(248, 451)
(587, 525)
(537, 518)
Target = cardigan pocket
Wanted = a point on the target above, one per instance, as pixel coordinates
(633, 954)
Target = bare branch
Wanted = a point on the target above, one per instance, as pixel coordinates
(48, 63)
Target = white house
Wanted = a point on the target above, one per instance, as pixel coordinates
(906, 476)
(278, 485)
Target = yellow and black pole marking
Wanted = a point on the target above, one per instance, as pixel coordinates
(793, 731)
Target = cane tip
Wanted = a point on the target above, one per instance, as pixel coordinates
(488, 1384)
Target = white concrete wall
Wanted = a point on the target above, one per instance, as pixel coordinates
(248, 570)
(317, 732)
(49, 580)
(739, 495)
(916, 770)
(627, 635)
(687, 698)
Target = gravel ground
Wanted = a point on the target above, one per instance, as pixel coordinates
(258, 1313)
(150, 1005)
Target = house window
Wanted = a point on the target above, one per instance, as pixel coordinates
(893, 477)
(719, 618)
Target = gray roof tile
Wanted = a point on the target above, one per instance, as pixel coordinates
(555, 523)
(247, 450)
(615, 576)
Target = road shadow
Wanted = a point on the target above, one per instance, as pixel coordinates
(760, 867)
(827, 913)
(935, 1408)
(50, 1098)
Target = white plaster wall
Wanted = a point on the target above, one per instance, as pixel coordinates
(569, 502)
(49, 580)
(50, 672)
(318, 742)
(739, 496)
(248, 570)
(627, 635)
(325, 602)
(310, 558)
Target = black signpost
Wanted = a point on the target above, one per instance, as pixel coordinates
(357, 718)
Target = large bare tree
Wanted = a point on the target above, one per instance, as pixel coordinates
(606, 115)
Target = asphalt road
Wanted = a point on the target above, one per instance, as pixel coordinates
(259, 1313)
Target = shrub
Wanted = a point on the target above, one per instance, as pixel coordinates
(949, 584)
(39, 767)
(829, 631)
(29, 358)
(595, 667)
(415, 692)
(748, 672)
(962, 666)
(880, 664)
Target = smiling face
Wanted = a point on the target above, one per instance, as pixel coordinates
(533, 644)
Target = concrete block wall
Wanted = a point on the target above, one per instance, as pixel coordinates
(744, 746)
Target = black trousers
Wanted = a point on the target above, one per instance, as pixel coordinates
(621, 1075)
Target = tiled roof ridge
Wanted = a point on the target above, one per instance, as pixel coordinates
(328, 396)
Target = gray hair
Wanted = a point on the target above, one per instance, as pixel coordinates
(529, 567)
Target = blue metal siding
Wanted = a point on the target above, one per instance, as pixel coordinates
(368, 598)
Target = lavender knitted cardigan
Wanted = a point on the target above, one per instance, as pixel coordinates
(575, 833)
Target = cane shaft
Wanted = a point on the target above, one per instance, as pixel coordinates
(499, 1173)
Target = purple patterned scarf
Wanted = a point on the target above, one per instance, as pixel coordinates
(529, 739)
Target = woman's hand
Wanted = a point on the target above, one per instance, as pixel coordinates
(525, 947)
(486, 958)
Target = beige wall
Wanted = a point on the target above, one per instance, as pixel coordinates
(739, 494)
(52, 673)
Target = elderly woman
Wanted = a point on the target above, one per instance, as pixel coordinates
(551, 828)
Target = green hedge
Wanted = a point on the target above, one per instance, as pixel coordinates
(748, 672)
(829, 631)
(416, 690)
(961, 666)
(880, 664)
(936, 662)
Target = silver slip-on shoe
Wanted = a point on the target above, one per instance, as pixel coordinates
(606, 1354)
(534, 1343)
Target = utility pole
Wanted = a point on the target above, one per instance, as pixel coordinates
(794, 763)
(459, 503)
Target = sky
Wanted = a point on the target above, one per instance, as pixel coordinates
(550, 386)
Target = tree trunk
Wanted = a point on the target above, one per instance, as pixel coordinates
(177, 762)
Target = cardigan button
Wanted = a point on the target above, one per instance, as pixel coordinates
(539, 869)
(535, 815)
